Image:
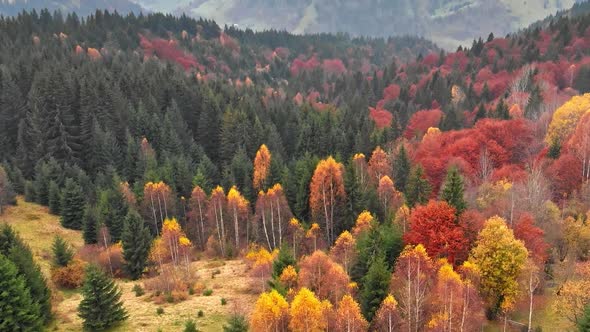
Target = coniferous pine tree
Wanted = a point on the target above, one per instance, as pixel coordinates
(136, 241)
(13, 247)
(90, 227)
(72, 205)
(418, 188)
(54, 198)
(22, 257)
(62, 252)
(453, 190)
(18, 312)
(401, 169)
(112, 211)
(101, 306)
(375, 287)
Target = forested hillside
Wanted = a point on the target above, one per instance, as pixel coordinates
(344, 172)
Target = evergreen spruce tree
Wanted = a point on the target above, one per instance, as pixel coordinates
(236, 323)
(453, 190)
(62, 252)
(401, 169)
(8, 239)
(418, 188)
(112, 211)
(90, 228)
(481, 113)
(54, 198)
(100, 307)
(136, 241)
(22, 257)
(375, 287)
(284, 259)
(18, 312)
(72, 205)
(13, 247)
(584, 321)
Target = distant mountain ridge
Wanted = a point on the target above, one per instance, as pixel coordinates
(81, 7)
(447, 22)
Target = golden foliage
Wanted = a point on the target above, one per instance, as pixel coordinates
(363, 223)
(261, 167)
(500, 257)
(349, 316)
(566, 118)
(270, 313)
(306, 313)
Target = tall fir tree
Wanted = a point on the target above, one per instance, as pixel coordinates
(90, 228)
(13, 247)
(453, 190)
(54, 198)
(112, 210)
(18, 312)
(375, 287)
(22, 257)
(72, 205)
(401, 169)
(62, 252)
(101, 306)
(137, 241)
(418, 188)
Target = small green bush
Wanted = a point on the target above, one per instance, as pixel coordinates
(138, 290)
(200, 313)
(208, 292)
(223, 301)
(160, 311)
(190, 326)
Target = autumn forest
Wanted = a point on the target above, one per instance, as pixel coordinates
(363, 184)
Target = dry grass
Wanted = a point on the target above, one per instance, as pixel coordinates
(38, 228)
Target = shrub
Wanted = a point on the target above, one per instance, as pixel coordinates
(200, 313)
(208, 292)
(160, 311)
(138, 290)
(169, 298)
(70, 276)
(223, 301)
(190, 326)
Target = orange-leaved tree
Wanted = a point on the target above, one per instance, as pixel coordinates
(197, 216)
(435, 227)
(261, 168)
(327, 194)
(238, 208)
(411, 285)
(306, 313)
(379, 165)
(271, 313)
(344, 251)
(215, 211)
(387, 317)
(323, 276)
(349, 316)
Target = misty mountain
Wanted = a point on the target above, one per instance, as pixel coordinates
(81, 7)
(447, 22)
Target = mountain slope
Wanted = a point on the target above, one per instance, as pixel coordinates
(81, 7)
(447, 22)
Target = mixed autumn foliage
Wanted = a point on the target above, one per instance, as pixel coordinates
(363, 191)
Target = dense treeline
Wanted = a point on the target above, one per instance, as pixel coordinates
(157, 136)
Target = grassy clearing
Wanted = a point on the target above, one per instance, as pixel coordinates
(38, 228)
